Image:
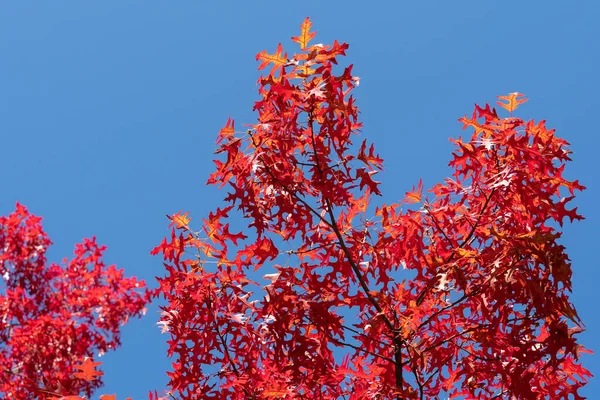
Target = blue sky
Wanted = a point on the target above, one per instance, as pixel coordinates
(109, 111)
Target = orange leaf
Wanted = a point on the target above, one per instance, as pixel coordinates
(181, 221)
(275, 392)
(513, 101)
(466, 253)
(305, 34)
(276, 58)
(415, 195)
(88, 370)
(479, 127)
(227, 131)
(108, 397)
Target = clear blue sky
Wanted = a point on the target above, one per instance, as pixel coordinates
(109, 111)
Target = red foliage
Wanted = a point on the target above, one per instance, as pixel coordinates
(465, 296)
(459, 294)
(51, 316)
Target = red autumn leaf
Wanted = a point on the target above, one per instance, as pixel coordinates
(234, 237)
(474, 123)
(365, 179)
(226, 133)
(369, 158)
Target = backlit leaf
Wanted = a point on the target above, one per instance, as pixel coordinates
(88, 370)
(414, 196)
(305, 34)
(277, 59)
(180, 221)
(513, 101)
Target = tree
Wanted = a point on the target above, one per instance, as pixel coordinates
(53, 315)
(462, 292)
(330, 293)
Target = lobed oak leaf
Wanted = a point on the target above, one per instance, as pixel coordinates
(369, 158)
(488, 113)
(234, 237)
(357, 206)
(305, 34)
(88, 370)
(181, 221)
(487, 129)
(574, 185)
(513, 101)
(569, 311)
(261, 250)
(415, 195)
(278, 59)
(366, 180)
(227, 131)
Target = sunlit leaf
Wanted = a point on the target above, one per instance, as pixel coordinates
(513, 101)
(305, 35)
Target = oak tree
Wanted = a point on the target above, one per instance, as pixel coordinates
(330, 293)
(54, 315)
